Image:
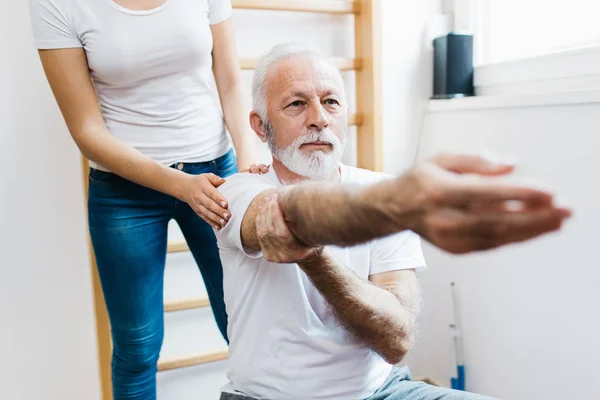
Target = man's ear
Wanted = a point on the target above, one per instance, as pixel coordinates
(257, 125)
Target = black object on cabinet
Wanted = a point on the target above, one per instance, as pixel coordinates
(453, 66)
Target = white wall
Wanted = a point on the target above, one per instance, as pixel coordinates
(529, 312)
(47, 335)
(407, 76)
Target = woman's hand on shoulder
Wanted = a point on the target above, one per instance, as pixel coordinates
(256, 169)
(201, 194)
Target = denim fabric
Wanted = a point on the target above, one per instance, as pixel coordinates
(128, 226)
(399, 386)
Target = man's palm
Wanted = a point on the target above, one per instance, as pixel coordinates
(466, 210)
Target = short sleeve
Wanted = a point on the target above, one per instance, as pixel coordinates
(239, 190)
(51, 29)
(219, 11)
(397, 252)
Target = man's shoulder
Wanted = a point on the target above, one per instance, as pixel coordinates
(361, 175)
(244, 180)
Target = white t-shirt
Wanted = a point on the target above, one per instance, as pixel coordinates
(152, 70)
(285, 342)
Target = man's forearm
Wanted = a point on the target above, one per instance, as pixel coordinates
(321, 213)
(373, 315)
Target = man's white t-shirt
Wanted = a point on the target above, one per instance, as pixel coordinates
(152, 70)
(285, 342)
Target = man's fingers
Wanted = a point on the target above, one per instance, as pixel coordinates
(471, 191)
(494, 230)
(264, 219)
(279, 225)
(268, 214)
(461, 231)
(470, 164)
(259, 221)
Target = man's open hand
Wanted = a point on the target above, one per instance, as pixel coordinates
(459, 208)
(278, 244)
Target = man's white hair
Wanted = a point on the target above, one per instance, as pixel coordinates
(275, 54)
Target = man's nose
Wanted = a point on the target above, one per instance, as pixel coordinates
(317, 117)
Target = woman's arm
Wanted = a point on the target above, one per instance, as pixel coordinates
(234, 101)
(68, 76)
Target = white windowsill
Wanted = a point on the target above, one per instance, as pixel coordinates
(589, 96)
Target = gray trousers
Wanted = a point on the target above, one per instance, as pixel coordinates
(399, 386)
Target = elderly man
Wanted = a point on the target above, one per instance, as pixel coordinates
(319, 258)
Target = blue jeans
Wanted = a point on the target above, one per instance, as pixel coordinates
(128, 227)
(400, 386)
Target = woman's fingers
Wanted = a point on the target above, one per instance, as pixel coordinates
(207, 201)
(257, 169)
(210, 217)
(215, 180)
(215, 202)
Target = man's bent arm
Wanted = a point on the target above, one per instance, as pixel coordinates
(381, 314)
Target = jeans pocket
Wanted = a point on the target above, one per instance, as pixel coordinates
(102, 177)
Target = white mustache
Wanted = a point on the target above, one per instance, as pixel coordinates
(325, 135)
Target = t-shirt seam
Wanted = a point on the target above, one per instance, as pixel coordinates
(62, 43)
(221, 15)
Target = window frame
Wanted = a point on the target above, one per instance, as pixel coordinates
(576, 68)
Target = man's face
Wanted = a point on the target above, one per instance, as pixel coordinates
(308, 116)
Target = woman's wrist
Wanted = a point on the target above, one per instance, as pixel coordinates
(181, 185)
(174, 182)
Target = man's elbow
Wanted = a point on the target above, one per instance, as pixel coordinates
(394, 356)
(397, 350)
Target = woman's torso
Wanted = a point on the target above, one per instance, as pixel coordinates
(152, 70)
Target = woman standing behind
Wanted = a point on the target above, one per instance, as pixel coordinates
(133, 80)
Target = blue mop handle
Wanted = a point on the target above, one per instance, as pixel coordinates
(459, 382)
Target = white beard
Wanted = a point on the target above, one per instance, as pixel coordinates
(317, 165)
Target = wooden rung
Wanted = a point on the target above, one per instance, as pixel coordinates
(355, 119)
(187, 304)
(178, 246)
(318, 6)
(205, 358)
(344, 64)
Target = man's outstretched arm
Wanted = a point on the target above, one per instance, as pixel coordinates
(455, 212)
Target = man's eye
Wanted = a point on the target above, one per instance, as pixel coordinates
(332, 102)
(296, 103)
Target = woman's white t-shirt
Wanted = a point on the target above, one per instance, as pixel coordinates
(152, 70)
